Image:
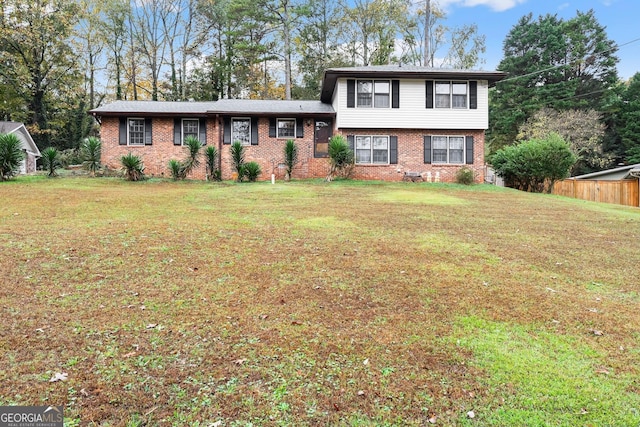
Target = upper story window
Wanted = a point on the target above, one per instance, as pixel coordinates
(372, 149)
(190, 127)
(451, 94)
(286, 128)
(373, 93)
(136, 132)
(241, 131)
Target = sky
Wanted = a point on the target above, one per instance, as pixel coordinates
(495, 18)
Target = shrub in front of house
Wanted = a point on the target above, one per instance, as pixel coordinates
(10, 156)
(290, 157)
(237, 160)
(133, 167)
(211, 159)
(465, 176)
(90, 154)
(251, 171)
(51, 160)
(341, 158)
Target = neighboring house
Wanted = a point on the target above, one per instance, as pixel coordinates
(616, 174)
(396, 119)
(31, 152)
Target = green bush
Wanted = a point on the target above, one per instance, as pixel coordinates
(252, 171)
(211, 156)
(340, 158)
(175, 167)
(534, 165)
(192, 161)
(51, 160)
(465, 176)
(133, 167)
(90, 154)
(10, 156)
(237, 159)
(290, 157)
(70, 156)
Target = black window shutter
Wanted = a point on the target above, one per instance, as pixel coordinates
(299, 127)
(469, 149)
(177, 131)
(254, 131)
(393, 150)
(148, 134)
(226, 133)
(429, 93)
(203, 131)
(123, 131)
(473, 95)
(351, 93)
(350, 141)
(427, 149)
(395, 93)
(272, 128)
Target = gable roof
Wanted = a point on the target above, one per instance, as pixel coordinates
(622, 172)
(23, 134)
(153, 108)
(271, 107)
(402, 71)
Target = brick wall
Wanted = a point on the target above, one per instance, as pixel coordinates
(269, 152)
(411, 155)
(156, 156)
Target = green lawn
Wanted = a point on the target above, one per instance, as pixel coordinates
(313, 303)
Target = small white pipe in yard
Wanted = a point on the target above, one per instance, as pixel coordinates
(273, 178)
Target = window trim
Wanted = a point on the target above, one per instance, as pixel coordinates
(373, 93)
(371, 163)
(197, 135)
(144, 131)
(448, 137)
(451, 94)
(295, 128)
(233, 119)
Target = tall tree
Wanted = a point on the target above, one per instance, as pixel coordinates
(115, 31)
(318, 45)
(466, 46)
(37, 54)
(626, 123)
(92, 42)
(370, 29)
(553, 63)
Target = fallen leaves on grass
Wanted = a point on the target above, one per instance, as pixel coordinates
(59, 376)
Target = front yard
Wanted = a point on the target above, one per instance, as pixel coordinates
(308, 303)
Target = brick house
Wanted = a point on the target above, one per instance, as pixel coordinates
(396, 119)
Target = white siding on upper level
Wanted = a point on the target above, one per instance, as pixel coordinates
(412, 113)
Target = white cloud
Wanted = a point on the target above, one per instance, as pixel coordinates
(563, 6)
(496, 5)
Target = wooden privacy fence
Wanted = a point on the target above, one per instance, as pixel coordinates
(623, 192)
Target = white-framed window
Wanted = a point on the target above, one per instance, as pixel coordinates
(372, 149)
(447, 149)
(190, 127)
(373, 93)
(135, 131)
(241, 130)
(286, 128)
(451, 94)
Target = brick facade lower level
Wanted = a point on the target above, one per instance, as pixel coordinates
(269, 152)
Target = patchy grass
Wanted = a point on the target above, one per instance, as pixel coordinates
(307, 303)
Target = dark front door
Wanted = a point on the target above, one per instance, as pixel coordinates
(323, 131)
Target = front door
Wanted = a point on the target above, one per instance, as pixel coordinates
(323, 131)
